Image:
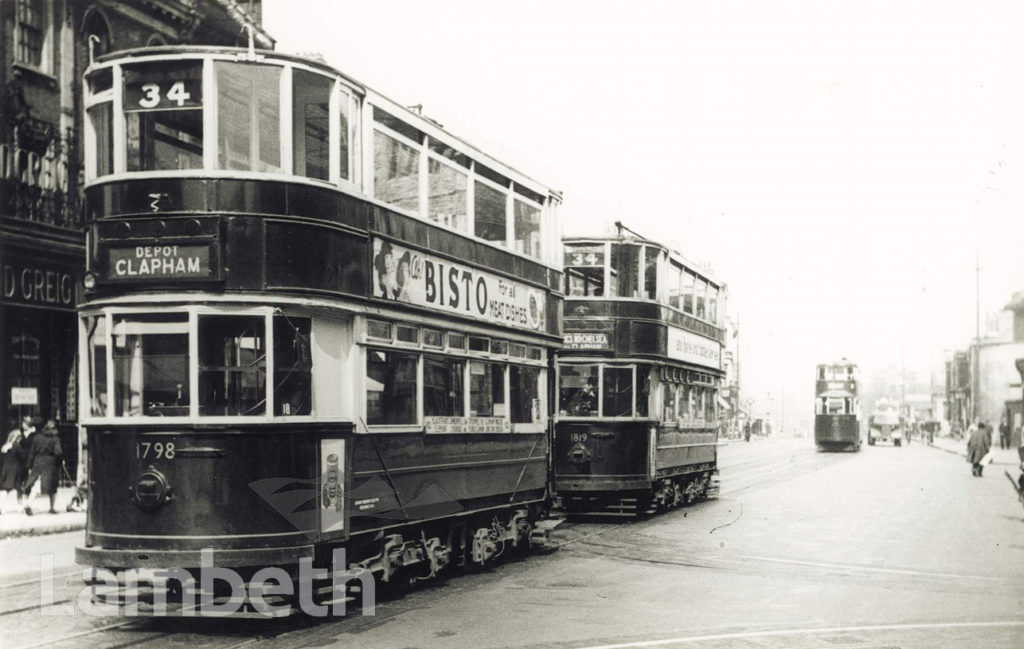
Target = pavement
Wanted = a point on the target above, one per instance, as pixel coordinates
(1002, 459)
(14, 522)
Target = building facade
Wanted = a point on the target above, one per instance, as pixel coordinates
(46, 46)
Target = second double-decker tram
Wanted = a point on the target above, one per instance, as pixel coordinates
(837, 407)
(314, 320)
(638, 378)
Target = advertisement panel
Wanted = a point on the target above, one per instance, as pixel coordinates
(405, 275)
(691, 348)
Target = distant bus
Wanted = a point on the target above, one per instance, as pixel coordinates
(836, 407)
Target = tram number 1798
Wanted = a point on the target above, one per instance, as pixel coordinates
(154, 450)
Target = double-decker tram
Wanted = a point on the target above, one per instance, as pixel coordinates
(837, 406)
(637, 390)
(314, 320)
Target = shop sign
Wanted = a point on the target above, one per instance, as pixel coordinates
(404, 275)
(24, 397)
(467, 425)
(160, 262)
(691, 348)
(30, 284)
(587, 340)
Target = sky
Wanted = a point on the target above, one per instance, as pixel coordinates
(840, 165)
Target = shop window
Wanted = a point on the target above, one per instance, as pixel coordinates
(396, 172)
(446, 198)
(232, 365)
(390, 387)
(524, 389)
(151, 373)
(311, 96)
(248, 117)
(293, 367)
(617, 392)
(486, 389)
(577, 390)
(489, 214)
(443, 381)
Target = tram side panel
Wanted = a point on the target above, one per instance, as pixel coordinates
(602, 457)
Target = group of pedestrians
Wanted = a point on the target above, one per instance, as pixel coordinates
(30, 459)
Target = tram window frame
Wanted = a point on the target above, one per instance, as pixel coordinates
(566, 395)
(625, 268)
(98, 376)
(304, 117)
(675, 283)
(452, 404)
(151, 352)
(686, 290)
(163, 108)
(611, 400)
(835, 406)
(700, 296)
(236, 371)
(293, 366)
(525, 224)
(387, 411)
(650, 264)
(387, 159)
(497, 224)
(484, 393)
(437, 168)
(524, 394)
(264, 128)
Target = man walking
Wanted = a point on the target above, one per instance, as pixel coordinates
(1004, 435)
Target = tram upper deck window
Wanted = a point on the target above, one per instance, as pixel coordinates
(651, 256)
(527, 229)
(163, 115)
(577, 390)
(248, 117)
(232, 365)
(489, 213)
(311, 100)
(151, 365)
(625, 270)
(447, 195)
(675, 280)
(699, 294)
(101, 117)
(712, 303)
(686, 291)
(396, 172)
(584, 270)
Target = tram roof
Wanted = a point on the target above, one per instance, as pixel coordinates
(690, 265)
(423, 123)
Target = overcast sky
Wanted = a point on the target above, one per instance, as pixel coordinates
(838, 164)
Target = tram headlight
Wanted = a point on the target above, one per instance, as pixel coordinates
(89, 281)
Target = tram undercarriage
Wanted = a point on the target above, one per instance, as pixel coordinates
(665, 493)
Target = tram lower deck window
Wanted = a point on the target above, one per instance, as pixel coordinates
(443, 386)
(151, 376)
(577, 391)
(232, 365)
(524, 389)
(390, 387)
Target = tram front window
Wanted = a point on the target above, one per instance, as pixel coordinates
(163, 115)
(577, 391)
(618, 392)
(150, 365)
(96, 333)
(232, 365)
(248, 117)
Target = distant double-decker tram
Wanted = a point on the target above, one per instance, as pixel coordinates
(837, 407)
(636, 423)
(314, 321)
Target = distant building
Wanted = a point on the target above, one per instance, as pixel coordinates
(983, 383)
(46, 46)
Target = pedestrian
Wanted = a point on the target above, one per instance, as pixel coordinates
(43, 463)
(11, 466)
(978, 446)
(1004, 435)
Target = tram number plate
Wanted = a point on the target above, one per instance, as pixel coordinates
(155, 450)
(577, 438)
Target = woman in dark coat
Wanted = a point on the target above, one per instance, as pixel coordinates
(43, 457)
(977, 448)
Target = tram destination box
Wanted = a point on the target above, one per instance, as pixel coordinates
(163, 260)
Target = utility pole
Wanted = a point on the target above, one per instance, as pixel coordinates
(976, 356)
